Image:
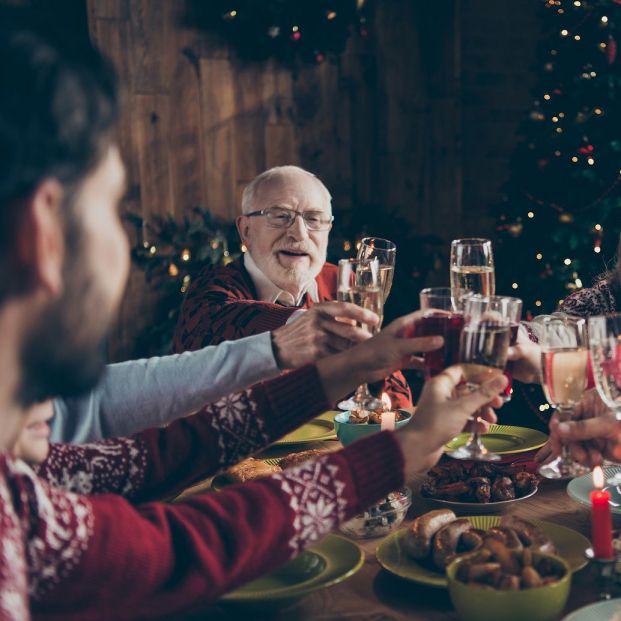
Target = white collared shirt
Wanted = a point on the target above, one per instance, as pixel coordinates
(267, 291)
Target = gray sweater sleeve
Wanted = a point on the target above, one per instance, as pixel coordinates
(139, 394)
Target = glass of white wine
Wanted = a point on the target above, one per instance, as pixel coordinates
(605, 348)
(359, 283)
(472, 266)
(564, 364)
(385, 252)
(483, 351)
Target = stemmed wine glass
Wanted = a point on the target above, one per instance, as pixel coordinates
(483, 351)
(472, 265)
(359, 283)
(564, 361)
(605, 348)
(385, 252)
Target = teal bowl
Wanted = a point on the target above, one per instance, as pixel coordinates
(348, 433)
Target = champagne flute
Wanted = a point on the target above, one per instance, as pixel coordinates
(472, 265)
(483, 350)
(564, 361)
(359, 283)
(385, 252)
(605, 348)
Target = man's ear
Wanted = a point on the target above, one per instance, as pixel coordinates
(40, 237)
(242, 223)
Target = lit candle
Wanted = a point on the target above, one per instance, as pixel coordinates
(388, 416)
(601, 520)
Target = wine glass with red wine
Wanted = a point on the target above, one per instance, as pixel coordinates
(483, 350)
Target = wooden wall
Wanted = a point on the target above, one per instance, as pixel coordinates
(419, 116)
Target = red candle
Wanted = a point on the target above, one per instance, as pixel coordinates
(601, 520)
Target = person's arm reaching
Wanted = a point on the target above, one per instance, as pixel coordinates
(101, 558)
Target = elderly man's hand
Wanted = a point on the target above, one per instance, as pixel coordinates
(322, 330)
(592, 436)
(441, 414)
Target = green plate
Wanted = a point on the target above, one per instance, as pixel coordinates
(391, 556)
(317, 430)
(329, 562)
(504, 439)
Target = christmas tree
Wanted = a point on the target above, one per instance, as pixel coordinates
(559, 227)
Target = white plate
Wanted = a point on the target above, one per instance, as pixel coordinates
(580, 488)
(601, 611)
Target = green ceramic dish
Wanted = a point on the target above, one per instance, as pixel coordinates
(317, 430)
(329, 562)
(475, 603)
(391, 556)
(504, 439)
(347, 433)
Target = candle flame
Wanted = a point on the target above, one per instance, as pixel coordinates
(598, 477)
(385, 399)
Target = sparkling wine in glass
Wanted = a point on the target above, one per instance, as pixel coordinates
(483, 351)
(605, 348)
(564, 362)
(472, 266)
(443, 316)
(358, 283)
(385, 252)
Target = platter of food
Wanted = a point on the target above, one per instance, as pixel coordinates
(421, 552)
(478, 488)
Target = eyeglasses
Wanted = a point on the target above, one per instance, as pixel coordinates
(283, 218)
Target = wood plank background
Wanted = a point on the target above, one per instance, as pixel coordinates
(420, 116)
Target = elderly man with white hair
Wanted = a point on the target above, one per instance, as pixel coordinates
(282, 281)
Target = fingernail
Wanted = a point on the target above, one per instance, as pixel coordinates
(563, 428)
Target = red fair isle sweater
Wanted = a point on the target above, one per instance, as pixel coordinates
(82, 539)
(221, 305)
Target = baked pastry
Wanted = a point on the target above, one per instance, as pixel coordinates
(250, 469)
(294, 459)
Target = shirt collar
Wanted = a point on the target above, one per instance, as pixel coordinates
(269, 292)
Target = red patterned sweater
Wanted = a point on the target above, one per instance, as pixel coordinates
(221, 305)
(76, 546)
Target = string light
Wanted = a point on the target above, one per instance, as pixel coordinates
(593, 74)
(146, 244)
(514, 285)
(185, 255)
(531, 214)
(347, 246)
(215, 244)
(153, 250)
(598, 227)
(577, 3)
(564, 32)
(561, 114)
(557, 153)
(173, 270)
(243, 248)
(577, 37)
(597, 250)
(546, 97)
(559, 130)
(598, 111)
(537, 302)
(555, 119)
(539, 256)
(330, 15)
(544, 406)
(578, 283)
(604, 19)
(602, 45)
(591, 161)
(230, 15)
(574, 159)
(567, 261)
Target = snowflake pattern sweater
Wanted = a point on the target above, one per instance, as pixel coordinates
(83, 539)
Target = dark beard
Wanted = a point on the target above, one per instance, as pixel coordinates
(64, 354)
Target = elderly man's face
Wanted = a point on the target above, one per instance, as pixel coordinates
(291, 257)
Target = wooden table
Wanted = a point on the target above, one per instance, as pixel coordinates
(373, 594)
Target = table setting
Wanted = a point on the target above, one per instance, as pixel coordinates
(501, 535)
